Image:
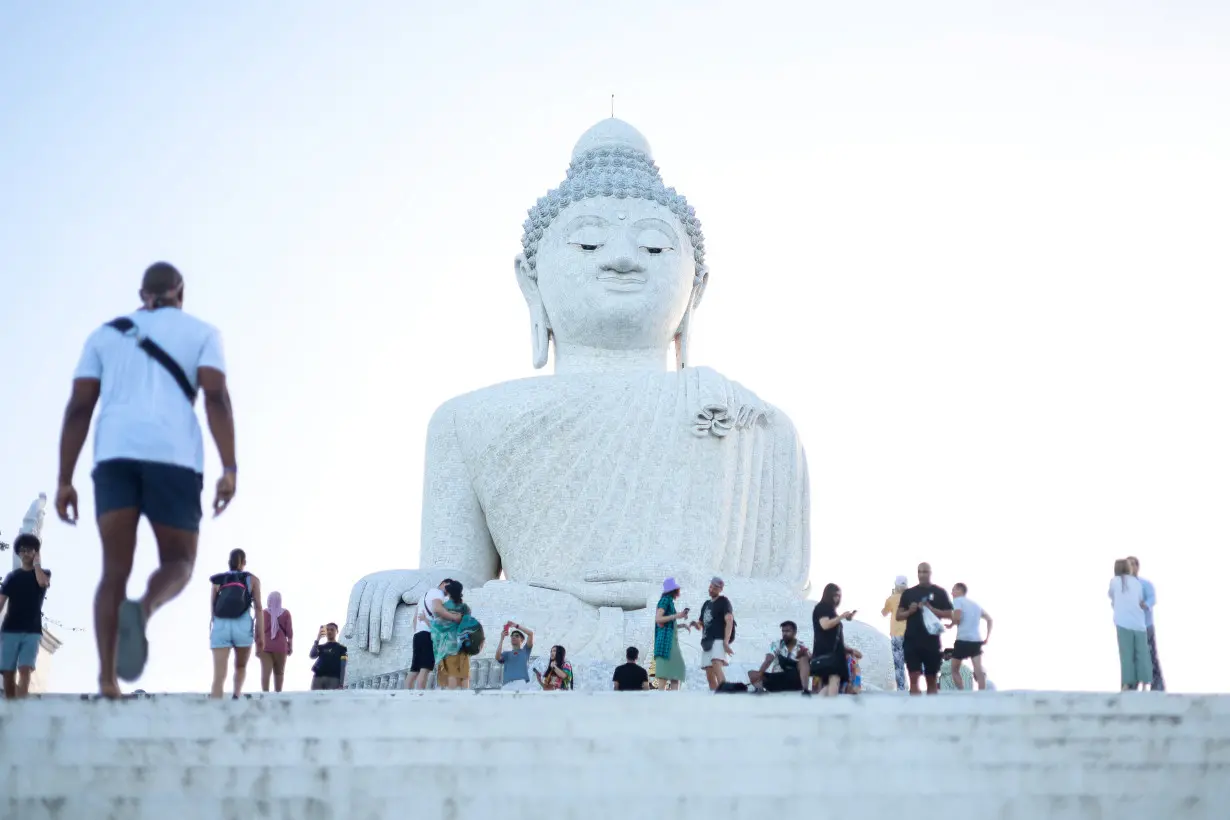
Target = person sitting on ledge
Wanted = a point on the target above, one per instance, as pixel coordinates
(559, 672)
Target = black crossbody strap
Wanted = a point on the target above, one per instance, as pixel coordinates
(126, 326)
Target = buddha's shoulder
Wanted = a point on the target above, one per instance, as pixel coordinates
(496, 404)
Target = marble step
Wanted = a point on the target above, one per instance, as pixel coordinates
(593, 756)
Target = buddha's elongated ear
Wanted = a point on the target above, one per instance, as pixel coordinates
(683, 332)
(540, 325)
(699, 283)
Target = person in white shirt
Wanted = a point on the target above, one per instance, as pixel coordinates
(423, 653)
(1127, 599)
(967, 617)
(144, 370)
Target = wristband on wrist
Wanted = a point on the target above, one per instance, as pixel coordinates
(233, 470)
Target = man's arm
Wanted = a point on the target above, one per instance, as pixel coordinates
(314, 652)
(990, 623)
(499, 648)
(768, 660)
(42, 576)
(730, 625)
(904, 612)
(75, 428)
(4, 599)
(342, 674)
(218, 412)
(1150, 595)
(441, 611)
(529, 637)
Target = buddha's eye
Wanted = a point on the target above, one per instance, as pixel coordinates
(586, 247)
(655, 241)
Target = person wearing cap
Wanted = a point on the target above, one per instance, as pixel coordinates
(668, 667)
(22, 594)
(717, 624)
(144, 370)
(896, 629)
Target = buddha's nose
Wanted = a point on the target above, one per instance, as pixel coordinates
(622, 258)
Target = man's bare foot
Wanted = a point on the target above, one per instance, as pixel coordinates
(110, 690)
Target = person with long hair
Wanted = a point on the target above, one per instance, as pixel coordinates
(452, 665)
(559, 672)
(829, 665)
(1127, 599)
(232, 627)
(669, 669)
(278, 643)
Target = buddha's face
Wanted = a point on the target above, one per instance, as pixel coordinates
(615, 273)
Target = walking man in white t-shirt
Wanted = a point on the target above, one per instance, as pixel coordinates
(423, 654)
(967, 617)
(149, 459)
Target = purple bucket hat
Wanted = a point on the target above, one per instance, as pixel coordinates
(669, 585)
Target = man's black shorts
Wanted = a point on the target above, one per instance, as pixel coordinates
(966, 649)
(924, 656)
(782, 681)
(424, 656)
(166, 494)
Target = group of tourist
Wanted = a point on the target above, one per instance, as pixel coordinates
(916, 625)
(159, 358)
(237, 623)
(1132, 599)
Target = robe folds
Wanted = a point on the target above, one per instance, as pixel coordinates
(607, 478)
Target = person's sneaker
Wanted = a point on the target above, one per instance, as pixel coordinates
(133, 649)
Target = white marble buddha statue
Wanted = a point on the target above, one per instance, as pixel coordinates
(587, 487)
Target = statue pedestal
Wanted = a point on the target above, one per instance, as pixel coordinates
(596, 638)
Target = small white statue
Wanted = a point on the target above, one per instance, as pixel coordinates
(587, 487)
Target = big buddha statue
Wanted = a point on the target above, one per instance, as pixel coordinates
(584, 489)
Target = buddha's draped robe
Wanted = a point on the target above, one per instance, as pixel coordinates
(609, 477)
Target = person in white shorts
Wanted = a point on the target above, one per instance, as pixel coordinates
(717, 622)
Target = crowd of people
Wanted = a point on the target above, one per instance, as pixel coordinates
(147, 369)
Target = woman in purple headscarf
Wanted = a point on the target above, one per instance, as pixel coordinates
(278, 643)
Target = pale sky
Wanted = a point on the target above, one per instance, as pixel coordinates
(977, 252)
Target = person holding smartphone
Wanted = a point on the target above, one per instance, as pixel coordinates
(515, 662)
(830, 668)
(669, 670)
(329, 671)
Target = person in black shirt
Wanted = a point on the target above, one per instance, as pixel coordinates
(329, 671)
(22, 630)
(631, 677)
(717, 626)
(922, 648)
(828, 662)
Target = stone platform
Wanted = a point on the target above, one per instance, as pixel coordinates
(464, 756)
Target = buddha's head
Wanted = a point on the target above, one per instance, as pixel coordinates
(612, 259)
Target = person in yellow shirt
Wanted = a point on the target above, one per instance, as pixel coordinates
(896, 630)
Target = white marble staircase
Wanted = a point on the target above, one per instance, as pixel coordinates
(463, 755)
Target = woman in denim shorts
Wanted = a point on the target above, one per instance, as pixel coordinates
(235, 631)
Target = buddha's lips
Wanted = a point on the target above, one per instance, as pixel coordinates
(622, 279)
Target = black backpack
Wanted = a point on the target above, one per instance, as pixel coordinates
(234, 596)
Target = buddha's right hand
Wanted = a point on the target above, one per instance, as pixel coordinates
(374, 601)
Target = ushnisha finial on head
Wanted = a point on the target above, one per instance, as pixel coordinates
(613, 181)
